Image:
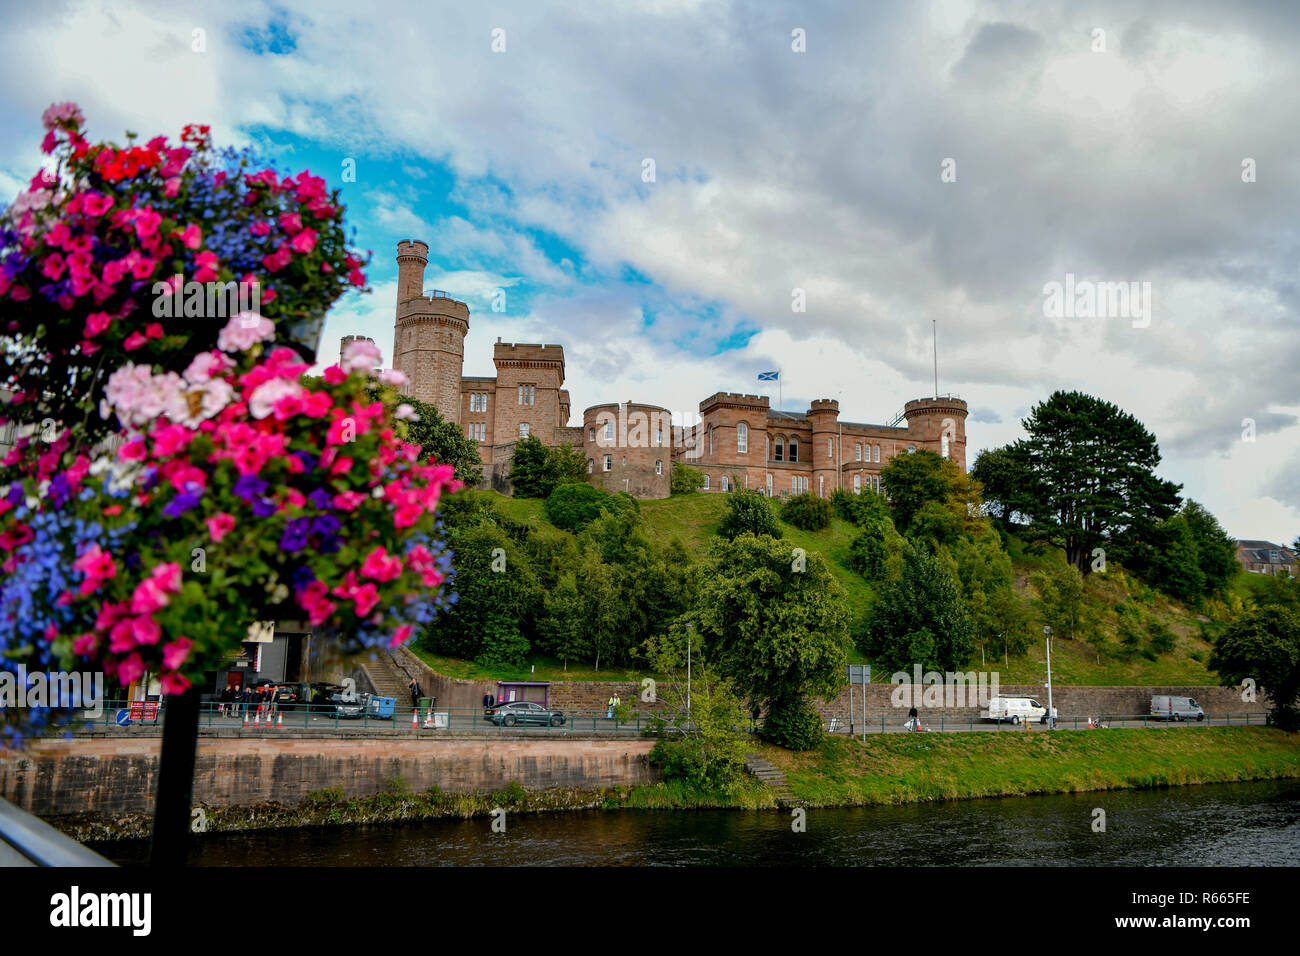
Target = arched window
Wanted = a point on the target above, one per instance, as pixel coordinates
(609, 431)
(794, 449)
(742, 438)
(780, 449)
(877, 453)
(591, 465)
(857, 484)
(768, 489)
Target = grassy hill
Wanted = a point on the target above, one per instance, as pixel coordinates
(694, 520)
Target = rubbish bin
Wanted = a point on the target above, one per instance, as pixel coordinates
(426, 703)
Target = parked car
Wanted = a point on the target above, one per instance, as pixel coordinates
(308, 695)
(348, 709)
(1015, 709)
(1165, 707)
(523, 712)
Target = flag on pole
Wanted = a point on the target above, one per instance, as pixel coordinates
(769, 376)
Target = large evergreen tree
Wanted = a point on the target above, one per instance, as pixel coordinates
(1087, 477)
(920, 618)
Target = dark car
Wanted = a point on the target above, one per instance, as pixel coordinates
(349, 709)
(523, 712)
(302, 695)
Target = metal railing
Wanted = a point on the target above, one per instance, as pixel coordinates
(26, 840)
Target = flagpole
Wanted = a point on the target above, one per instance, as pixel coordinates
(780, 388)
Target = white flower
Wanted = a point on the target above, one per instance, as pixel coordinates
(360, 355)
(243, 331)
(262, 402)
(392, 376)
(407, 413)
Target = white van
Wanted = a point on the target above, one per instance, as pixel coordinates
(1164, 707)
(1015, 709)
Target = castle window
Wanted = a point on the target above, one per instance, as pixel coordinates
(877, 453)
(591, 434)
(478, 431)
(609, 431)
(524, 429)
(860, 451)
(821, 486)
(591, 465)
(830, 448)
(857, 484)
(724, 482)
(742, 439)
(478, 401)
(768, 489)
(609, 462)
(780, 449)
(659, 435)
(706, 482)
(710, 439)
(794, 449)
(943, 441)
(798, 484)
(659, 467)
(527, 393)
(910, 449)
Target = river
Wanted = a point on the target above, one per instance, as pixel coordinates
(1246, 824)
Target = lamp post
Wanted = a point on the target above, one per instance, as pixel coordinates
(1051, 713)
(689, 628)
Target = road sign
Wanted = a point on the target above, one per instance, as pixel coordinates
(859, 673)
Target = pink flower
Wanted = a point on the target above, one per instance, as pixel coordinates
(191, 237)
(378, 566)
(175, 683)
(244, 331)
(130, 669)
(145, 630)
(96, 323)
(220, 525)
(134, 341)
(175, 653)
(172, 187)
(207, 263)
(291, 222)
(304, 242)
(263, 399)
(260, 228)
(400, 635)
(59, 114)
(277, 260)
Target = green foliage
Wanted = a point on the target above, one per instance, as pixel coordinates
(984, 571)
(685, 479)
(1188, 556)
(912, 480)
(1085, 477)
(1063, 602)
(1162, 639)
(936, 524)
(869, 555)
(865, 510)
(807, 512)
(1002, 477)
(920, 618)
(775, 626)
(1263, 645)
(536, 470)
(793, 724)
(571, 507)
(700, 737)
(748, 512)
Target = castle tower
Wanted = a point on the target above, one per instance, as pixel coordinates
(939, 425)
(429, 335)
(824, 416)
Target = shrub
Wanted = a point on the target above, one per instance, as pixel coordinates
(869, 555)
(793, 724)
(808, 512)
(685, 479)
(748, 511)
(864, 510)
(1162, 639)
(573, 506)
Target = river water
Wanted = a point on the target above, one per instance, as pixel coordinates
(1248, 824)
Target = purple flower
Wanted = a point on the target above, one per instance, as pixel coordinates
(325, 525)
(182, 503)
(321, 498)
(295, 534)
(302, 577)
(249, 487)
(264, 507)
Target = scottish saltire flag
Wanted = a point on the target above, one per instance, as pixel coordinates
(769, 376)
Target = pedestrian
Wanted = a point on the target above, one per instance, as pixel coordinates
(913, 719)
(753, 716)
(416, 693)
(610, 714)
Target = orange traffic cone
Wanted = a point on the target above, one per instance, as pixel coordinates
(428, 717)
(245, 718)
(257, 717)
(279, 722)
(415, 719)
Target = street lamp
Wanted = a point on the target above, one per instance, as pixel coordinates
(1051, 713)
(689, 628)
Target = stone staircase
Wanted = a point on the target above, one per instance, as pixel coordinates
(388, 680)
(774, 777)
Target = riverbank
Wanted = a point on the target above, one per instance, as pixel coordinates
(886, 770)
(916, 768)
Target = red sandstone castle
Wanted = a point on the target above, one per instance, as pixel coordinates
(737, 440)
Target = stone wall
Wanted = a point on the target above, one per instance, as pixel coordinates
(110, 775)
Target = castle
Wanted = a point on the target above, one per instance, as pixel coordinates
(737, 439)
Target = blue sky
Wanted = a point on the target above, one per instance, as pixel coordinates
(775, 171)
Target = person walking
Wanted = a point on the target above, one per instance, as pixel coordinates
(913, 719)
(416, 692)
(612, 705)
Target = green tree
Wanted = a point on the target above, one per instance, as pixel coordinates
(1263, 645)
(1063, 603)
(1088, 473)
(699, 724)
(807, 512)
(536, 470)
(1216, 551)
(775, 623)
(1003, 479)
(869, 555)
(497, 594)
(984, 570)
(685, 479)
(748, 512)
(919, 618)
(1173, 562)
(573, 506)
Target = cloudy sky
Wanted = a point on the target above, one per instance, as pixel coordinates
(912, 162)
